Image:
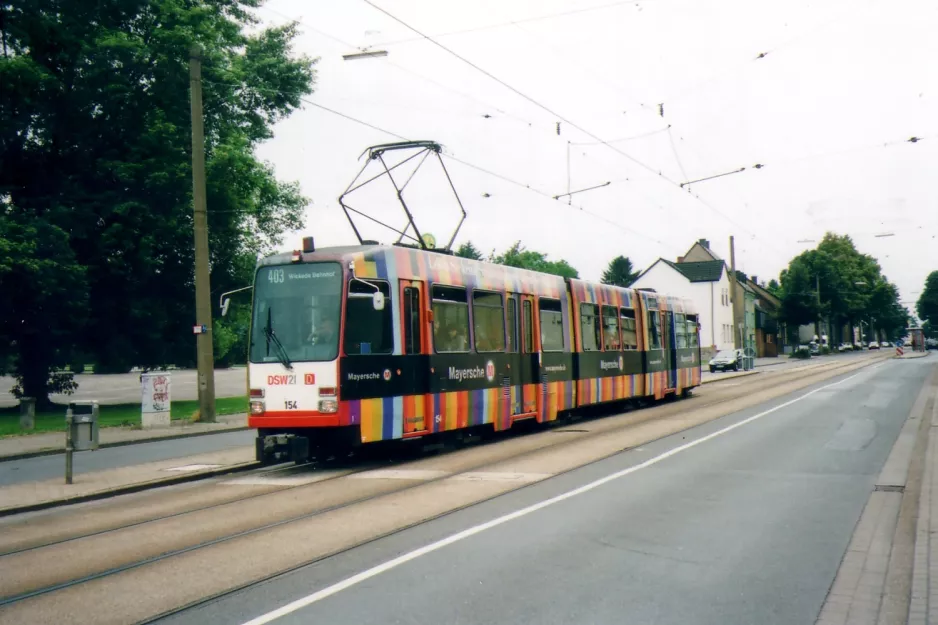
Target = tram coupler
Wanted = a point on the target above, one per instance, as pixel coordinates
(281, 447)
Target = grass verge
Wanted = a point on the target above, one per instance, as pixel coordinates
(113, 415)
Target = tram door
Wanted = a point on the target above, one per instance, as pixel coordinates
(511, 385)
(415, 341)
(528, 401)
(670, 348)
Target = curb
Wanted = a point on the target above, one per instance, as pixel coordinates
(131, 488)
(741, 374)
(236, 468)
(153, 439)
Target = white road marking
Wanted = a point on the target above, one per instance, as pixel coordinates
(280, 480)
(399, 474)
(491, 476)
(338, 587)
(194, 467)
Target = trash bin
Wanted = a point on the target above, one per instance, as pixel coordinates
(84, 432)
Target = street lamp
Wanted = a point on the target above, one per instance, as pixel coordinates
(364, 54)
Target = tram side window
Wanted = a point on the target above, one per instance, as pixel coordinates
(528, 327)
(693, 338)
(450, 319)
(551, 325)
(629, 333)
(610, 329)
(367, 331)
(654, 330)
(488, 321)
(512, 326)
(680, 331)
(589, 327)
(411, 320)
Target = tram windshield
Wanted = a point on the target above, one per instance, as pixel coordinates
(296, 313)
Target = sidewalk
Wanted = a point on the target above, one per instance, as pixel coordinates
(29, 496)
(29, 445)
(923, 607)
(770, 361)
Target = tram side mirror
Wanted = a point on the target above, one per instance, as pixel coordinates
(377, 300)
(224, 306)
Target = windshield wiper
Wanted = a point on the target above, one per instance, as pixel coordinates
(282, 355)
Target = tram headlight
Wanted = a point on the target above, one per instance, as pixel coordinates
(257, 407)
(328, 405)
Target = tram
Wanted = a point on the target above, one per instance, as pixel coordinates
(368, 343)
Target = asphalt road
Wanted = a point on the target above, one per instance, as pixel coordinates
(48, 467)
(124, 388)
(783, 363)
(746, 526)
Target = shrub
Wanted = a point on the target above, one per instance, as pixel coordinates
(802, 353)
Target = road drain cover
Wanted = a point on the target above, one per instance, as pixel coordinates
(890, 488)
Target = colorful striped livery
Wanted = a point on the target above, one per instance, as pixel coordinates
(376, 343)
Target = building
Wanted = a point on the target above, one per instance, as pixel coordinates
(703, 277)
(706, 283)
(768, 337)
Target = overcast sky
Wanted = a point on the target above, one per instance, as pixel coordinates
(828, 111)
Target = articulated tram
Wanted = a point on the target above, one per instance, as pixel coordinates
(353, 345)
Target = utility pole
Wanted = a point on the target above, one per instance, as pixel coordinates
(203, 304)
(736, 329)
(817, 292)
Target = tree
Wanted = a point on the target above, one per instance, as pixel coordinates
(927, 305)
(838, 283)
(46, 304)
(518, 256)
(619, 272)
(95, 157)
(468, 250)
(774, 287)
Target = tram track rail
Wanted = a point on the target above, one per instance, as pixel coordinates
(4, 601)
(532, 444)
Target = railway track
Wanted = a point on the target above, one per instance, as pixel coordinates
(393, 488)
(338, 491)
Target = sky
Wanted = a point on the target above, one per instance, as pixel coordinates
(824, 95)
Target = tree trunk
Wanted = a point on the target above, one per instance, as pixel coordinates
(33, 368)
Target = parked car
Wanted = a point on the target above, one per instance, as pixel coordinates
(845, 347)
(874, 345)
(885, 344)
(814, 347)
(728, 359)
(931, 343)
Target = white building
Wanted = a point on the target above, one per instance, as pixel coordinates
(704, 282)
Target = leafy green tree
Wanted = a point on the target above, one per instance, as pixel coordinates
(468, 250)
(518, 256)
(95, 159)
(44, 303)
(774, 287)
(619, 272)
(838, 283)
(927, 305)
